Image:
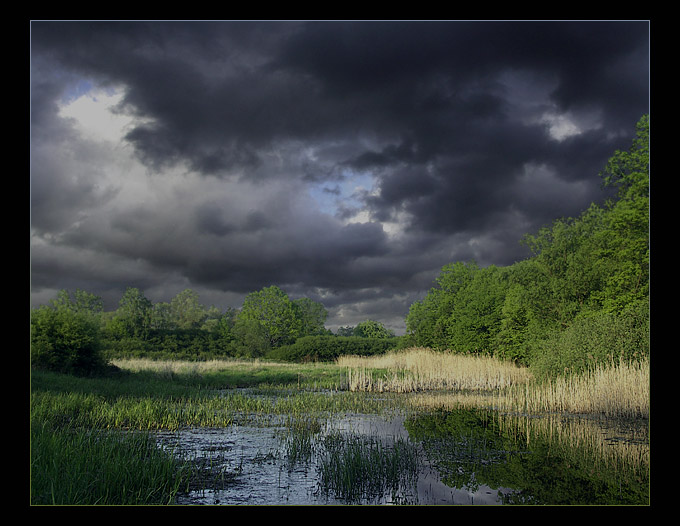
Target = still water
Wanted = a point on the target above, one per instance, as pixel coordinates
(465, 457)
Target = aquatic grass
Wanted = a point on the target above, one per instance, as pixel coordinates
(209, 409)
(299, 439)
(85, 467)
(358, 467)
(94, 412)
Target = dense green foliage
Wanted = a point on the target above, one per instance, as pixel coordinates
(74, 333)
(65, 335)
(583, 295)
(328, 348)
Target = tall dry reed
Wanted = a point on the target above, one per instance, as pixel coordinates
(172, 367)
(613, 389)
(422, 369)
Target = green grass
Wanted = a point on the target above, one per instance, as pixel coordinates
(84, 467)
(360, 467)
(89, 436)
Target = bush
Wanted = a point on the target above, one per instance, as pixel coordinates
(177, 344)
(65, 340)
(597, 338)
(328, 348)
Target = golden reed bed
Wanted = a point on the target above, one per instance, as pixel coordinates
(613, 389)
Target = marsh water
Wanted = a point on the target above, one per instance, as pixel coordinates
(461, 457)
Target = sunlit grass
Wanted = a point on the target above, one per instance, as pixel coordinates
(611, 389)
(421, 369)
(227, 373)
(452, 380)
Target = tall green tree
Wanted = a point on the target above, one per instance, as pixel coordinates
(312, 315)
(428, 321)
(475, 317)
(272, 310)
(134, 313)
(628, 171)
(584, 274)
(625, 239)
(186, 310)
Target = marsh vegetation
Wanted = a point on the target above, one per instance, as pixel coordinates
(251, 432)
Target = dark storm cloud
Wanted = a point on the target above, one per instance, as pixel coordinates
(472, 133)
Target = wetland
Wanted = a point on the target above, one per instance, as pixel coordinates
(234, 433)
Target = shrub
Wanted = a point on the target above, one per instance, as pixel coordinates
(597, 338)
(65, 340)
(328, 348)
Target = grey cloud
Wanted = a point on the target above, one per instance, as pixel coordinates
(445, 117)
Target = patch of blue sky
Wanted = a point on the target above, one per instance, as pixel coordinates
(76, 90)
(82, 87)
(344, 193)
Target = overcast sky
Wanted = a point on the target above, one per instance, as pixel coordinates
(342, 161)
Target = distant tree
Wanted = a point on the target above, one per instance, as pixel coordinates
(274, 312)
(224, 326)
(134, 313)
(312, 316)
(252, 338)
(186, 311)
(212, 319)
(161, 317)
(79, 301)
(347, 330)
(372, 329)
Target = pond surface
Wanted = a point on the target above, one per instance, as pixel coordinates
(255, 468)
(465, 457)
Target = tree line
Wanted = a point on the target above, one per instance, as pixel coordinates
(583, 295)
(73, 333)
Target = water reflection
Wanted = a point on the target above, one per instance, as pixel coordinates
(464, 457)
(548, 460)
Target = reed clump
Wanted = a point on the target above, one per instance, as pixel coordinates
(363, 467)
(613, 389)
(423, 369)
